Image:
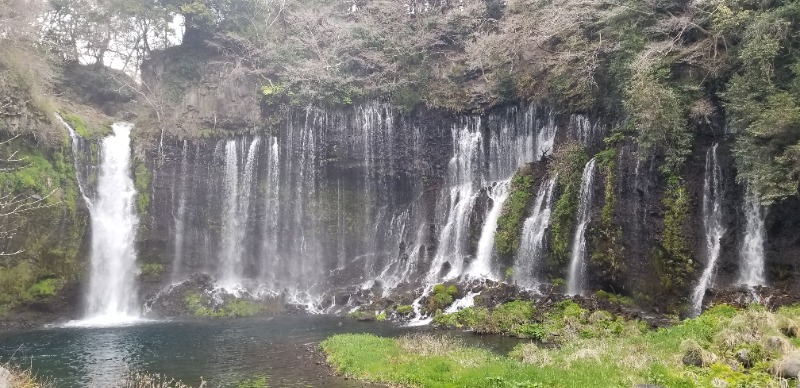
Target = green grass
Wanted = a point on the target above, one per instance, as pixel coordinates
(608, 358)
(82, 128)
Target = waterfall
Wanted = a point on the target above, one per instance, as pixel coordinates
(269, 238)
(461, 199)
(751, 267)
(712, 225)
(76, 150)
(577, 266)
(236, 212)
(180, 219)
(482, 266)
(231, 254)
(485, 159)
(531, 251)
(112, 294)
(582, 130)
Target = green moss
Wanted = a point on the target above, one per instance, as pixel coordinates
(405, 309)
(607, 237)
(509, 224)
(45, 288)
(673, 257)
(441, 298)
(200, 305)
(151, 270)
(362, 315)
(568, 165)
(48, 237)
(614, 298)
(142, 178)
(84, 129)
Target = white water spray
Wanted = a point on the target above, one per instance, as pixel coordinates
(712, 225)
(180, 219)
(236, 214)
(482, 266)
(111, 297)
(577, 266)
(531, 251)
(751, 267)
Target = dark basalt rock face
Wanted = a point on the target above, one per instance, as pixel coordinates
(350, 202)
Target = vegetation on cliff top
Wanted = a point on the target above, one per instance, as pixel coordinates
(722, 347)
(673, 68)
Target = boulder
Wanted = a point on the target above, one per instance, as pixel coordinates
(788, 366)
(5, 378)
(745, 357)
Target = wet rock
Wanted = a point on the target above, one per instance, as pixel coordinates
(694, 355)
(745, 357)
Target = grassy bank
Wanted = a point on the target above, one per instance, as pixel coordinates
(724, 347)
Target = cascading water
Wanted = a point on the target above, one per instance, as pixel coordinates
(76, 151)
(531, 251)
(340, 200)
(111, 294)
(577, 266)
(751, 267)
(517, 138)
(236, 213)
(482, 266)
(712, 225)
(269, 240)
(460, 201)
(180, 219)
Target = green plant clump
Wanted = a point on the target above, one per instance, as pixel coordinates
(441, 298)
(405, 309)
(673, 257)
(143, 176)
(151, 270)
(200, 305)
(607, 237)
(82, 128)
(509, 225)
(568, 164)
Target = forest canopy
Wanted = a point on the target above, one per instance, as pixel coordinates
(671, 70)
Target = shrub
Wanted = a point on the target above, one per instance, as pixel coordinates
(442, 297)
(45, 288)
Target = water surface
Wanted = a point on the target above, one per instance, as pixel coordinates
(222, 352)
